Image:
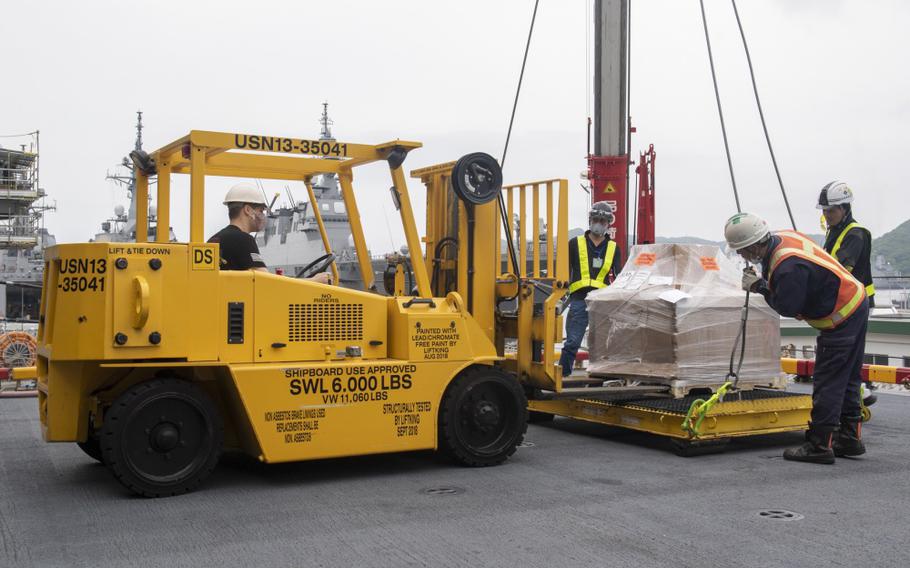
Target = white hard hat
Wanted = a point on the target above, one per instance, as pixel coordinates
(245, 192)
(602, 210)
(744, 229)
(835, 193)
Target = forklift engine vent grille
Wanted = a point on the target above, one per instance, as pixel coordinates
(325, 322)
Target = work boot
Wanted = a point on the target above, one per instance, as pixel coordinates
(869, 397)
(849, 439)
(817, 448)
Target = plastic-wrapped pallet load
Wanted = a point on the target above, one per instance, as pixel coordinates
(671, 317)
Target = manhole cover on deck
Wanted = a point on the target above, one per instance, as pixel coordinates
(442, 490)
(780, 515)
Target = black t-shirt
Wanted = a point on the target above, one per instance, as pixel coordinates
(238, 249)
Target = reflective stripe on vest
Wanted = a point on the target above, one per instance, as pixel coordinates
(585, 280)
(850, 293)
(870, 289)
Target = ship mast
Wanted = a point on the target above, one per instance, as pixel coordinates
(129, 182)
(326, 132)
(327, 181)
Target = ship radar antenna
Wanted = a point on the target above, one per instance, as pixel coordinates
(139, 130)
(326, 122)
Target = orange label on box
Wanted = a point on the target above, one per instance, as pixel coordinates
(645, 259)
(709, 263)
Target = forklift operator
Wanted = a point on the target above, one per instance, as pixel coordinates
(799, 279)
(246, 211)
(593, 253)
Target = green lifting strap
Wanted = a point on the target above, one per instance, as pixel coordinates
(584, 280)
(699, 410)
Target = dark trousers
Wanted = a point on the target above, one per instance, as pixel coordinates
(838, 366)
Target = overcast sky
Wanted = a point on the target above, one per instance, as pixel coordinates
(832, 75)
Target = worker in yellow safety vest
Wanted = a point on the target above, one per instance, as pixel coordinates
(799, 279)
(594, 260)
(849, 242)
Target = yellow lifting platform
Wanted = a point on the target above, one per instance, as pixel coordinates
(745, 413)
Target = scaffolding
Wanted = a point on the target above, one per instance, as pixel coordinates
(21, 196)
(23, 236)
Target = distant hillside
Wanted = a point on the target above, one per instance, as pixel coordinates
(895, 247)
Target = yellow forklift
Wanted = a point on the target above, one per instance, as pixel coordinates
(154, 361)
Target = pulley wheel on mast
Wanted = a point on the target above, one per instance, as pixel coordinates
(477, 178)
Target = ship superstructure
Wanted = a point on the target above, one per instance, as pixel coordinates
(291, 237)
(121, 227)
(23, 236)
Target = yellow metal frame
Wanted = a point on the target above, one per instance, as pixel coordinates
(545, 330)
(202, 153)
(314, 207)
(447, 218)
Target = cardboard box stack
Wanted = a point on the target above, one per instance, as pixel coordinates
(672, 316)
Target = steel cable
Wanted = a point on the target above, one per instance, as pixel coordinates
(740, 340)
(720, 112)
(507, 223)
(761, 114)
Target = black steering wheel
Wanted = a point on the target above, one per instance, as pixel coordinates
(317, 266)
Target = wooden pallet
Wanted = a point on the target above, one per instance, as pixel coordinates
(675, 388)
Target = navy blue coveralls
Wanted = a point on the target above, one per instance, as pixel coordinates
(805, 289)
(577, 319)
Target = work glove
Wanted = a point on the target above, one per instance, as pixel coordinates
(750, 279)
(562, 304)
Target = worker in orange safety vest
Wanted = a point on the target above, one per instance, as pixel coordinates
(799, 279)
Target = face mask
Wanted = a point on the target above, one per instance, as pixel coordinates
(599, 229)
(751, 256)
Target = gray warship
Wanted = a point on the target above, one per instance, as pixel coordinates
(291, 237)
(121, 227)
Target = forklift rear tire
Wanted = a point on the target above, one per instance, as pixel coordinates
(92, 448)
(483, 417)
(162, 437)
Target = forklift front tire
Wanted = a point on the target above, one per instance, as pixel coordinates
(92, 448)
(482, 417)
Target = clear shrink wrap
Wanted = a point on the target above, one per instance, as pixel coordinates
(672, 316)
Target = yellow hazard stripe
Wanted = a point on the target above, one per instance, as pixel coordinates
(788, 365)
(883, 374)
(841, 314)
